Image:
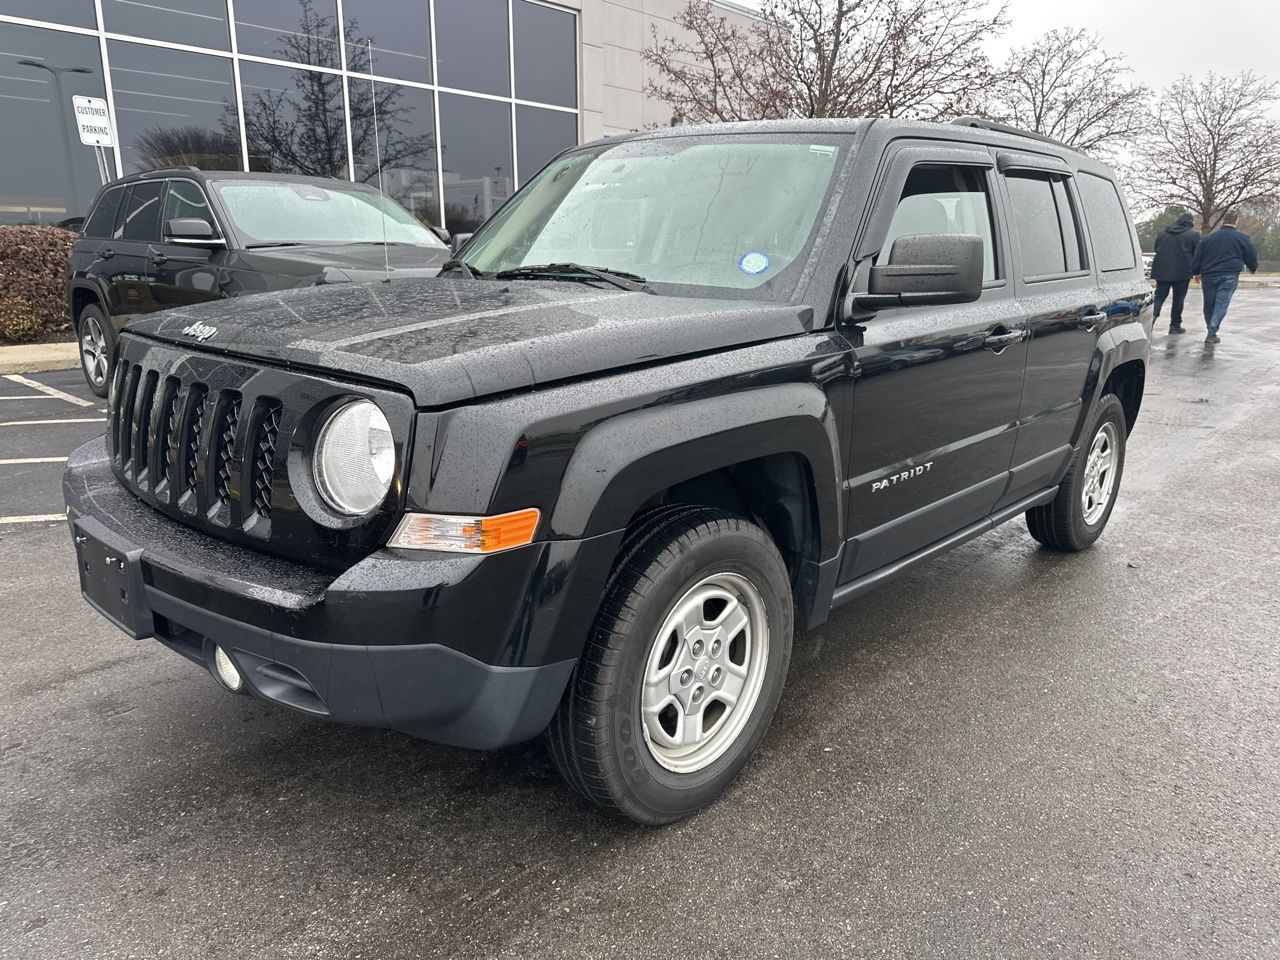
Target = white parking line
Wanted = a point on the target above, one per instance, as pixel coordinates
(34, 518)
(8, 463)
(32, 423)
(51, 391)
(29, 396)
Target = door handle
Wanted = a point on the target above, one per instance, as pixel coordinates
(106, 253)
(998, 341)
(1091, 320)
(159, 258)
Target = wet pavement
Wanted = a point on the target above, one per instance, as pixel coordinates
(1007, 753)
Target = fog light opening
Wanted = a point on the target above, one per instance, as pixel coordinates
(226, 670)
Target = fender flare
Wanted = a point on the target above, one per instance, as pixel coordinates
(1118, 345)
(626, 460)
(92, 287)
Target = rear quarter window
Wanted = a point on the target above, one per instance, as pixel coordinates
(1108, 223)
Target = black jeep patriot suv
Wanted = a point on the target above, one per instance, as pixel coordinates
(682, 395)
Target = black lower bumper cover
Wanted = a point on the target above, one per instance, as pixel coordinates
(426, 690)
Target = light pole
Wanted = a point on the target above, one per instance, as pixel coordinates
(62, 121)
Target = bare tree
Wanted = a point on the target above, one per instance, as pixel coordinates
(161, 146)
(1065, 86)
(718, 70)
(826, 58)
(1210, 145)
(301, 130)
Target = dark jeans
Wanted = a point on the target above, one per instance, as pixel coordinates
(1218, 290)
(1179, 290)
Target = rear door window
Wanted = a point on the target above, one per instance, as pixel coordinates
(103, 219)
(141, 220)
(1108, 223)
(1044, 219)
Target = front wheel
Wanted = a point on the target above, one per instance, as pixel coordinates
(97, 343)
(684, 668)
(1076, 517)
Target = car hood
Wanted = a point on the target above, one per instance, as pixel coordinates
(356, 261)
(450, 340)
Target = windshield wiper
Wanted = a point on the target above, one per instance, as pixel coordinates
(576, 271)
(471, 272)
(273, 243)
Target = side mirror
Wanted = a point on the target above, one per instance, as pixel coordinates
(923, 270)
(441, 233)
(457, 242)
(189, 230)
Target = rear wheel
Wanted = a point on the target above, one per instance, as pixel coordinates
(1077, 516)
(97, 344)
(684, 668)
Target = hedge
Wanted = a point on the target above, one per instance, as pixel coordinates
(33, 282)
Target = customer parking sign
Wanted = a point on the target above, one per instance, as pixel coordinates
(94, 121)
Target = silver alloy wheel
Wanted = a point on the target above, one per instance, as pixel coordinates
(704, 672)
(1099, 473)
(93, 350)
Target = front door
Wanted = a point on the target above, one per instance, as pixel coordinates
(937, 389)
(185, 273)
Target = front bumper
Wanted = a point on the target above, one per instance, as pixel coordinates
(504, 631)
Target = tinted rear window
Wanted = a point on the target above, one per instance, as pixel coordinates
(104, 213)
(1108, 223)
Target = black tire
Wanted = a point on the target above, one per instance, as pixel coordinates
(93, 320)
(597, 739)
(1061, 524)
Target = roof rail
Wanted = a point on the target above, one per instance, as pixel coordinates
(982, 124)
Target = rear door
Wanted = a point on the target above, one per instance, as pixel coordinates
(94, 253)
(937, 388)
(1058, 294)
(185, 273)
(124, 268)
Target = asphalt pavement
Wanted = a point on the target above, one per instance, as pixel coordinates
(1007, 753)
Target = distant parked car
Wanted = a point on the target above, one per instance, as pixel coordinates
(175, 237)
(1148, 260)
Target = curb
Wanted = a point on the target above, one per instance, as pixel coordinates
(39, 357)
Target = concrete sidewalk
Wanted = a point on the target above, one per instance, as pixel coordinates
(39, 357)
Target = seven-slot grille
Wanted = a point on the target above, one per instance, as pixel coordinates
(184, 444)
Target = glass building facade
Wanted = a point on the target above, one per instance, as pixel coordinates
(458, 101)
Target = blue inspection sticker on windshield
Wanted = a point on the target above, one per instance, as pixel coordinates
(754, 263)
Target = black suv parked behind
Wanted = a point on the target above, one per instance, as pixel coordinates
(168, 238)
(689, 391)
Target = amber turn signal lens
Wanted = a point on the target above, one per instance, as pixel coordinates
(431, 531)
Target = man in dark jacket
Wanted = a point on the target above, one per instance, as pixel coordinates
(1171, 269)
(1218, 262)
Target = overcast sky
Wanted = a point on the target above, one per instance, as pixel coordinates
(1161, 38)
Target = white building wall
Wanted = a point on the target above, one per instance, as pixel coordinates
(613, 72)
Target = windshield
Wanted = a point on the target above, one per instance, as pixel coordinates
(281, 212)
(728, 213)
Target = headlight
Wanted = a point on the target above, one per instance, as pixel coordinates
(354, 458)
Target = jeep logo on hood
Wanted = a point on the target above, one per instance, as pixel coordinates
(200, 331)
